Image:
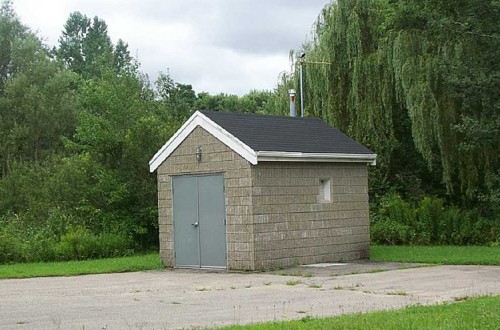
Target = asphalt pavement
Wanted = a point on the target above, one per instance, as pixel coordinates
(171, 299)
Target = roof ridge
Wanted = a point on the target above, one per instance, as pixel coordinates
(260, 115)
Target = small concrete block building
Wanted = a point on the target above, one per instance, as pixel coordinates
(251, 192)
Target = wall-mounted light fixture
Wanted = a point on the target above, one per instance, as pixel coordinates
(198, 153)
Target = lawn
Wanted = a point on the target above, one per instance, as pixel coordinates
(448, 255)
(478, 313)
(70, 268)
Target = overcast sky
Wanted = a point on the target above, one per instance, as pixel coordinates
(229, 46)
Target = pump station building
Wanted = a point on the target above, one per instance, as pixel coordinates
(250, 192)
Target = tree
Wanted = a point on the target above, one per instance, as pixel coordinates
(257, 102)
(97, 48)
(123, 61)
(86, 48)
(77, 132)
(253, 102)
(38, 109)
(11, 31)
(417, 81)
(36, 98)
(177, 100)
(71, 42)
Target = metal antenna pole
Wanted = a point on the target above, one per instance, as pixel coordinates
(301, 87)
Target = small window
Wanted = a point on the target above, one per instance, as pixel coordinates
(324, 190)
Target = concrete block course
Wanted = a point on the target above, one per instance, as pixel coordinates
(275, 214)
(292, 224)
(217, 158)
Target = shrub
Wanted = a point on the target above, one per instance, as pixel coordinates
(57, 239)
(390, 232)
(75, 244)
(451, 220)
(394, 208)
(11, 249)
(114, 245)
(80, 243)
(430, 222)
(40, 248)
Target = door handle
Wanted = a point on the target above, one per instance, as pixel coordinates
(195, 224)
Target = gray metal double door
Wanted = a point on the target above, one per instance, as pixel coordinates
(199, 215)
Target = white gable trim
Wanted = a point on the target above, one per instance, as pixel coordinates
(281, 156)
(199, 119)
(253, 157)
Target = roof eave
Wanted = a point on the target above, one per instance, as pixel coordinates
(280, 156)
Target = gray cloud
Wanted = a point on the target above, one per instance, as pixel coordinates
(273, 27)
(227, 46)
(244, 25)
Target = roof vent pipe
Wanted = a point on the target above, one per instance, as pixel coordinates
(293, 113)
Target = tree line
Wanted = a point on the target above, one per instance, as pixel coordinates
(78, 124)
(416, 81)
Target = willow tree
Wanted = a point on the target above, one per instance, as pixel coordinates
(418, 82)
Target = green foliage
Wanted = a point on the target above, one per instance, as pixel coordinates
(414, 80)
(390, 232)
(417, 82)
(86, 48)
(430, 222)
(79, 125)
(253, 102)
(37, 109)
(36, 96)
(58, 238)
(80, 243)
(11, 32)
(11, 248)
(45, 201)
(395, 209)
(176, 99)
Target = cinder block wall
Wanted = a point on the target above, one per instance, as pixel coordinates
(216, 158)
(274, 215)
(293, 226)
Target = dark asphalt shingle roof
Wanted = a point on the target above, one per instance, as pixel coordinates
(288, 134)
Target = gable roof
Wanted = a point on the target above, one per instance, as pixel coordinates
(271, 138)
(287, 134)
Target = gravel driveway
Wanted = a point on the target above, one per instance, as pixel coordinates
(183, 299)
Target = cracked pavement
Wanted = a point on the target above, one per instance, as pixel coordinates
(170, 299)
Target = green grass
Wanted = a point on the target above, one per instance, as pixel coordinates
(477, 313)
(448, 255)
(70, 268)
